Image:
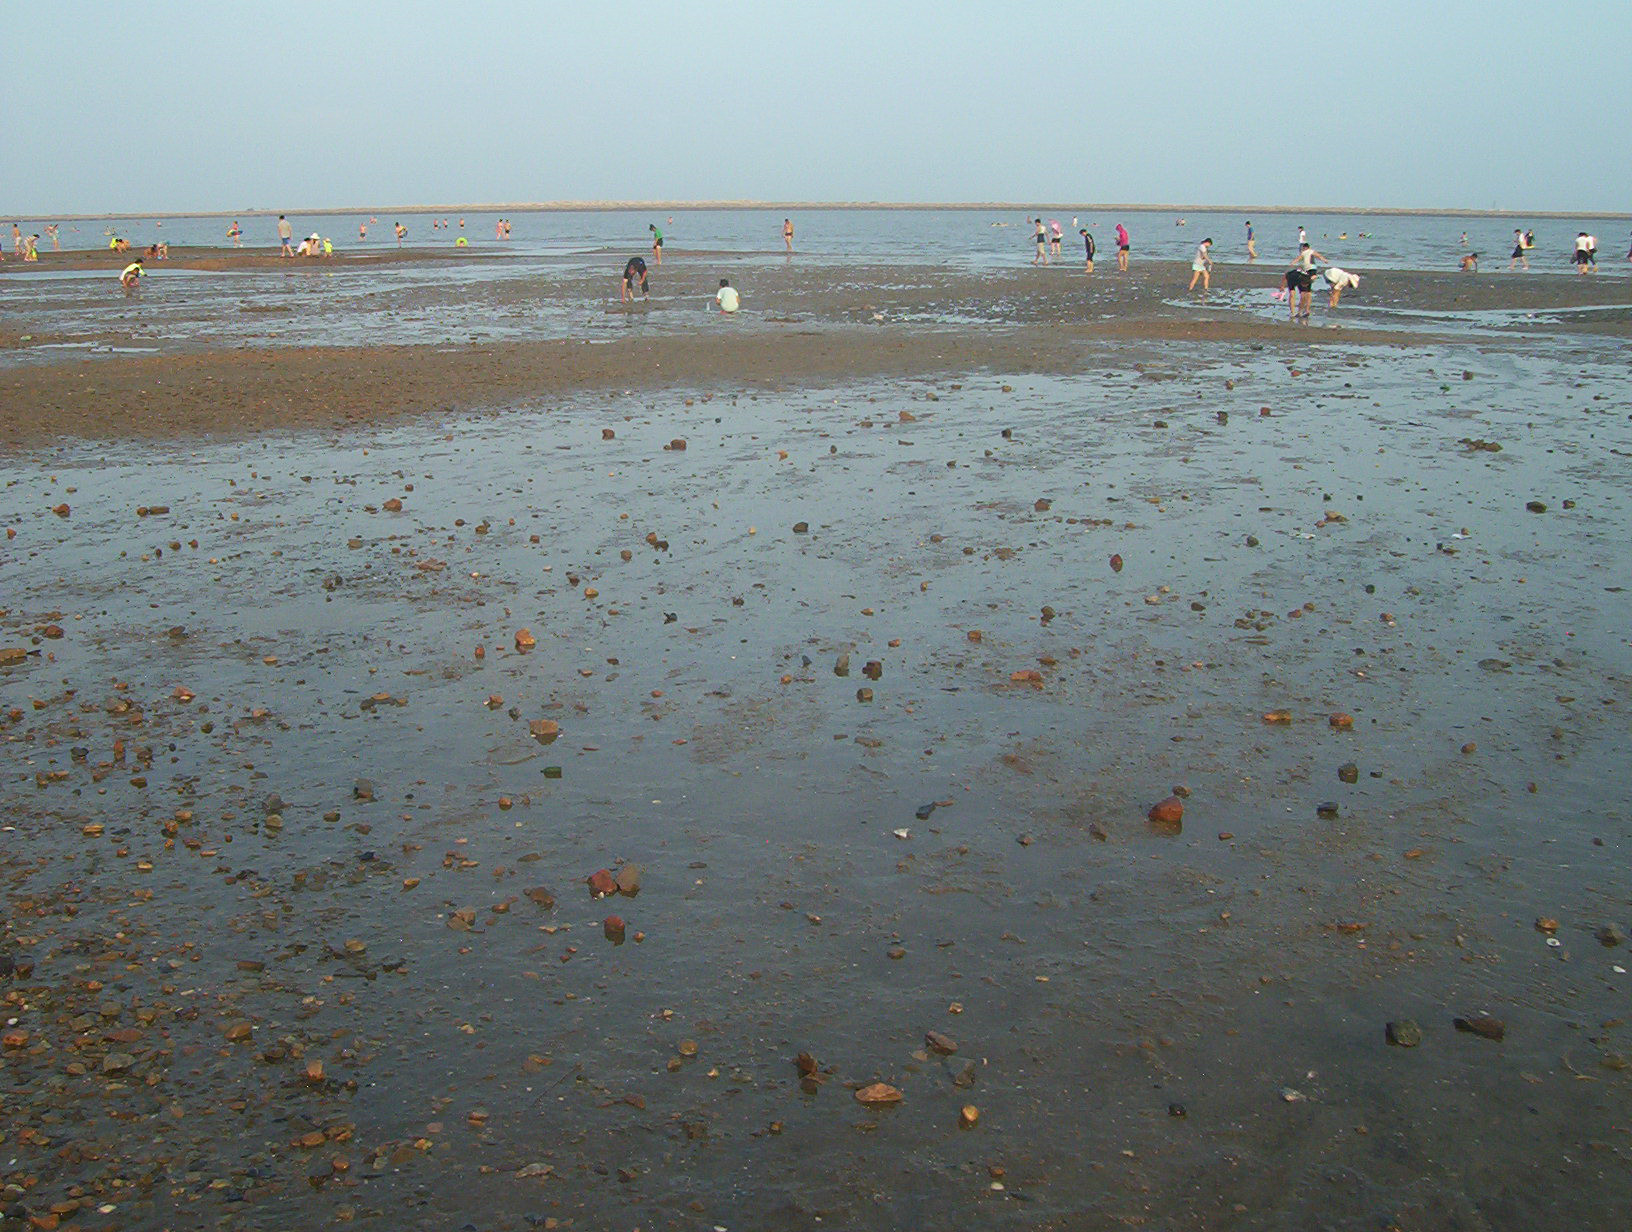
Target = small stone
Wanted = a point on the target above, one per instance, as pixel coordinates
(1341, 721)
(525, 639)
(601, 883)
(628, 880)
(1610, 935)
(1546, 924)
(1482, 1025)
(878, 1093)
(800, 528)
(1535, 506)
(613, 927)
(1326, 809)
(1348, 772)
(1469, 748)
(1116, 562)
(1168, 812)
(968, 1116)
(1279, 717)
(1177, 1110)
(1403, 1033)
(943, 1044)
(362, 789)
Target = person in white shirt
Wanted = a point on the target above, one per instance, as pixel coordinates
(1338, 280)
(726, 297)
(1592, 253)
(1582, 253)
(1202, 266)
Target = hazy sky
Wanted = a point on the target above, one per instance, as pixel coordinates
(169, 106)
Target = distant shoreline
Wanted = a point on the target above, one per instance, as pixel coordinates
(999, 207)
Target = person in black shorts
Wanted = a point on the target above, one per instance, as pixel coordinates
(634, 271)
(1087, 243)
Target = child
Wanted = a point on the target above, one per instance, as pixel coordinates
(726, 297)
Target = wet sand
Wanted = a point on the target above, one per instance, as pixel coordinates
(875, 680)
(809, 322)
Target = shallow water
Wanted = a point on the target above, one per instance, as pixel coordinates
(977, 238)
(1096, 970)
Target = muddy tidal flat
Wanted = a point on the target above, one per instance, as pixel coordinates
(1013, 752)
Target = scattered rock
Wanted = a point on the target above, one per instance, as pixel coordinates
(1168, 812)
(876, 1093)
(601, 883)
(1536, 506)
(525, 639)
(1348, 772)
(1116, 562)
(1482, 1025)
(945, 1045)
(968, 1116)
(1341, 721)
(628, 880)
(1610, 935)
(1403, 1033)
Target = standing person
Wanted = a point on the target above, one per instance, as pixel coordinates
(1300, 279)
(1121, 248)
(1054, 236)
(1592, 252)
(1088, 245)
(634, 271)
(1042, 243)
(1518, 251)
(1201, 266)
(31, 248)
(726, 297)
(1303, 238)
(1252, 250)
(1629, 250)
(787, 233)
(401, 232)
(51, 229)
(362, 232)
(1464, 239)
(286, 232)
(16, 240)
(657, 243)
(131, 274)
(1580, 257)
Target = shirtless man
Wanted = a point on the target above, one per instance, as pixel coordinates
(787, 233)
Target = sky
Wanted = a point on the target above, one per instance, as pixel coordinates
(174, 107)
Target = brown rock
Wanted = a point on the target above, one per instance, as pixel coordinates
(1341, 721)
(392, 506)
(943, 1044)
(543, 730)
(525, 639)
(1168, 812)
(876, 1093)
(613, 927)
(1278, 716)
(1116, 563)
(602, 883)
(628, 879)
(1482, 1025)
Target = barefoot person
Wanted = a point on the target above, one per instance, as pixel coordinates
(634, 271)
(1581, 254)
(286, 233)
(787, 233)
(1201, 266)
(1299, 280)
(657, 243)
(726, 297)
(131, 275)
(1042, 244)
(1518, 251)
(1121, 248)
(1252, 249)
(1338, 279)
(1469, 264)
(1088, 247)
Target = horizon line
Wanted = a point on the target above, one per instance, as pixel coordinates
(606, 206)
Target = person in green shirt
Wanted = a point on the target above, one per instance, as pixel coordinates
(657, 243)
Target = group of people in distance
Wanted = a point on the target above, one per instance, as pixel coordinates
(637, 277)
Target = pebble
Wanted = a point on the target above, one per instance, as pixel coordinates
(876, 1093)
(1482, 1025)
(1403, 1033)
(1168, 812)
